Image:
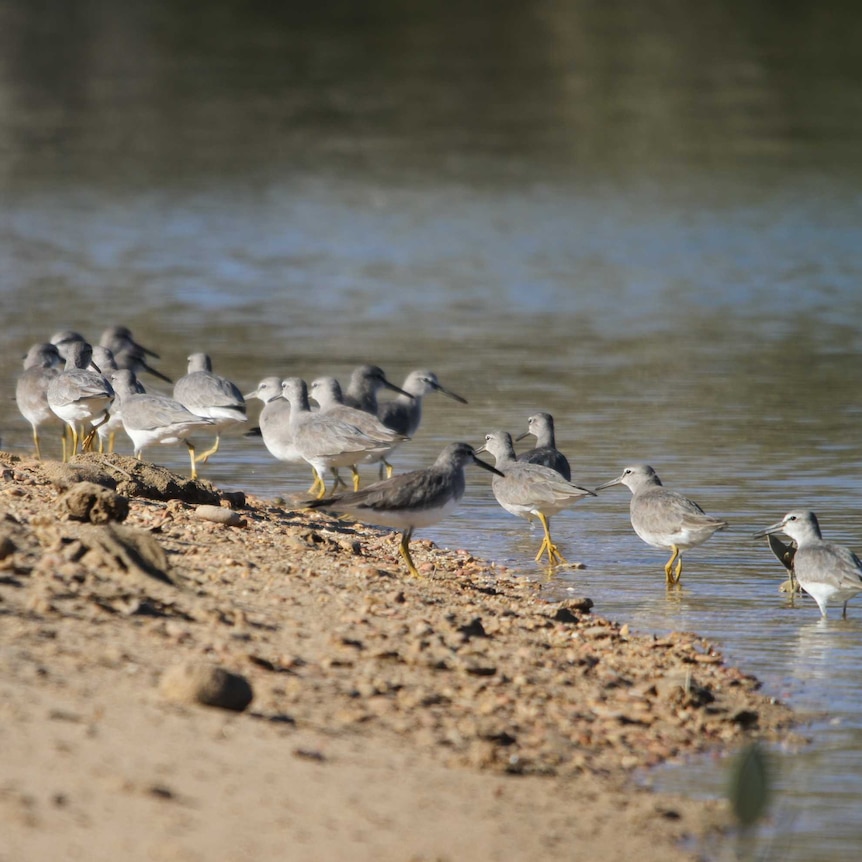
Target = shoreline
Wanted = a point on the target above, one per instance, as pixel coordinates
(427, 717)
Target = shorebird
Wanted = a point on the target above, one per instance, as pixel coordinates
(404, 413)
(326, 391)
(545, 452)
(530, 490)
(209, 395)
(79, 396)
(365, 382)
(416, 499)
(126, 382)
(664, 518)
(128, 353)
(274, 425)
(827, 572)
(42, 364)
(325, 441)
(150, 419)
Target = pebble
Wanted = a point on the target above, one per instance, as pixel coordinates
(220, 515)
(193, 682)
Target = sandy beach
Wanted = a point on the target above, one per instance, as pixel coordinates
(453, 716)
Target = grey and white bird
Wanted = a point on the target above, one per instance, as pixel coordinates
(63, 339)
(42, 364)
(404, 413)
(150, 419)
(79, 396)
(411, 500)
(210, 395)
(530, 490)
(128, 353)
(365, 382)
(327, 442)
(829, 573)
(326, 391)
(122, 380)
(274, 425)
(545, 452)
(664, 518)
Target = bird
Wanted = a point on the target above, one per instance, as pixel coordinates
(128, 383)
(324, 441)
(827, 572)
(545, 452)
(150, 419)
(326, 391)
(80, 396)
(63, 339)
(274, 425)
(530, 490)
(365, 382)
(410, 500)
(664, 518)
(42, 364)
(210, 395)
(128, 353)
(404, 413)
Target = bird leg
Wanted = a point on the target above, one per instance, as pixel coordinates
(337, 481)
(405, 552)
(555, 558)
(357, 479)
(36, 442)
(315, 485)
(87, 443)
(204, 456)
(671, 576)
(191, 448)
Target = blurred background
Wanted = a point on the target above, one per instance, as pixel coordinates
(643, 218)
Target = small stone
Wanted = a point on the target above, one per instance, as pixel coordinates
(206, 684)
(220, 515)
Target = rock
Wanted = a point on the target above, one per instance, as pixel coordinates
(219, 515)
(88, 501)
(206, 684)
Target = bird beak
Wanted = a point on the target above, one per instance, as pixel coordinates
(251, 395)
(775, 528)
(155, 371)
(387, 385)
(522, 436)
(146, 350)
(448, 392)
(485, 465)
(617, 481)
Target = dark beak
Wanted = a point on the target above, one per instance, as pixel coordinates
(448, 392)
(484, 464)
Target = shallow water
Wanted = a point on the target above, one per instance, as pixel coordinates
(648, 228)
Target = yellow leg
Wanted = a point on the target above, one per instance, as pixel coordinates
(405, 552)
(668, 573)
(321, 487)
(204, 456)
(36, 443)
(315, 485)
(388, 467)
(555, 558)
(191, 449)
(357, 479)
(111, 438)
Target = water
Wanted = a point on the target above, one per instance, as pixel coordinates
(647, 227)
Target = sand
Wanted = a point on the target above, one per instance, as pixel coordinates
(457, 715)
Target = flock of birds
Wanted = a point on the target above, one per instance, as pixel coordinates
(94, 391)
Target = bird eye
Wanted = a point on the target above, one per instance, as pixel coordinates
(627, 471)
(792, 518)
